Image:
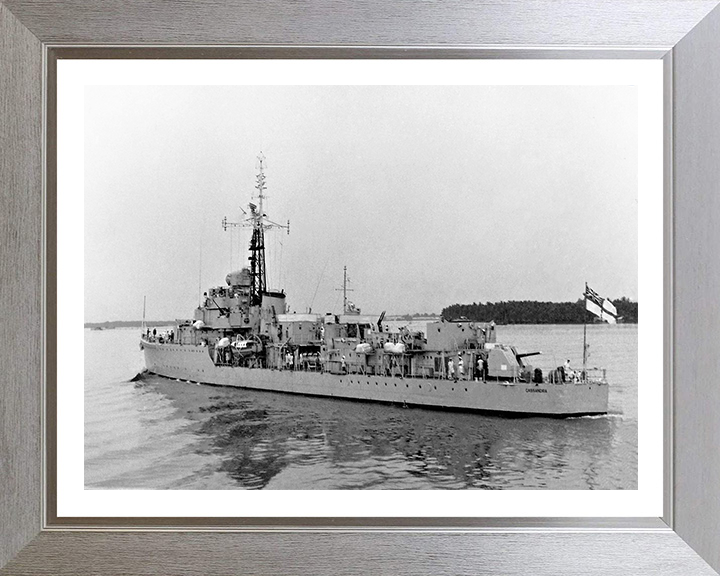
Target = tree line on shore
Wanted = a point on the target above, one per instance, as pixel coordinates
(532, 312)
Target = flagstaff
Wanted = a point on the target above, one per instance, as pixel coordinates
(603, 309)
(584, 372)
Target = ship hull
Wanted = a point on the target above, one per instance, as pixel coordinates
(193, 363)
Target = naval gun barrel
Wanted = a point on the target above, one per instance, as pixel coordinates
(526, 354)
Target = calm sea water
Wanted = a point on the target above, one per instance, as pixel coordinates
(161, 434)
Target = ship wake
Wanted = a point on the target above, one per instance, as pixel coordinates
(140, 376)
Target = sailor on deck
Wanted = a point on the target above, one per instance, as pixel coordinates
(461, 368)
(451, 369)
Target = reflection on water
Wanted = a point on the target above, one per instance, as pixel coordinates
(158, 433)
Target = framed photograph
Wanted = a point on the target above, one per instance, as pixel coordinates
(314, 300)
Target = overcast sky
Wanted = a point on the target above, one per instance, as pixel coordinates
(430, 195)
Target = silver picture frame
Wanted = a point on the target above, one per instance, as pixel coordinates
(685, 34)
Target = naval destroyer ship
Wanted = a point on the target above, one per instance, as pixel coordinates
(242, 335)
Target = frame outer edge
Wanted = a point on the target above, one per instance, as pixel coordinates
(598, 554)
(20, 292)
(374, 22)
(19, 240)
(696, 109)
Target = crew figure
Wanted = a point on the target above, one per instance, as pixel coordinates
(451, 369)
(567, 372)
(479, 372)
(461, 368)
(343, 365)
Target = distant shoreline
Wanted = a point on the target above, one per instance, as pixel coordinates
(109, 325)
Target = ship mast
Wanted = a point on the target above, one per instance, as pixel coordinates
(259, 222)
(345, 290)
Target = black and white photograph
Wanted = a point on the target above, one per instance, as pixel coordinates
(341, 287)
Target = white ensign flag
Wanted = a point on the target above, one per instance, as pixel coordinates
(601, 307)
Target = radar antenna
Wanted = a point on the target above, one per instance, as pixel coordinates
(259, 222)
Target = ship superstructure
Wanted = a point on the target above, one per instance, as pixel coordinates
(242, 335)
